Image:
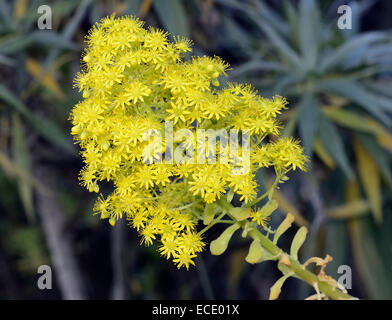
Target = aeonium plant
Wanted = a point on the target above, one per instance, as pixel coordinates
(178, 148)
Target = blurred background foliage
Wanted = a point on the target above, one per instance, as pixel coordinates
(338, 83)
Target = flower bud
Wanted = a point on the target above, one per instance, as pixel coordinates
(210, 67)
(96, 188)
(215, 74)
(105, 145)
(215, 83)
(112, 221)
(75, 130)
(105, 215)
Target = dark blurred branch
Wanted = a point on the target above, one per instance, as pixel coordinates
(59, 244)
(204, 279)
(6, 279)
(117, 252)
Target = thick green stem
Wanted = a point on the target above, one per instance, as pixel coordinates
(299, 270)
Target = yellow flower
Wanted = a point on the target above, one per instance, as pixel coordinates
(184, 258)
(134, 80)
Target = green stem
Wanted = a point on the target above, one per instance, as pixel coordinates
(213, 222)
(299, 270)
(265, 194)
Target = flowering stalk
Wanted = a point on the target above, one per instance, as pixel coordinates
(324, 284)
(175, 145)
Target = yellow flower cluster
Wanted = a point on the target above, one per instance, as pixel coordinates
(133, 80)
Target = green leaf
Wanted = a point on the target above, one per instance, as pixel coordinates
(7, 61)
(309, 116)
(309, 37)
(349, 210)
(286, 224)
(219, 245)
(371, 250)
(53, 39)
(256, 65)
(239, 37)
(173, 16)
(293, 19)
(16, 43)
(337, 245)
(74, 22)
(133, 7)
(333, 143)
(21, 155)
(319, 149)
(46, 127)
(276, 288)
(378, 155)
(240, 213)
(272, 17)
(348, 119)
(255, 253)
(349, 47)
(370, 177)
(298, 241)
(282, 46)
(358, 94)
(209, 213)
(5, 12)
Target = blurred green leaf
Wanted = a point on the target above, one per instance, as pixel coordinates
(309, 26)
(336, 246)
(12, 170)
(255, 65)
(173, 16)
(133, 7)
(48, 129)
(357, 93)
(298, 241)
(319, 149)
(53, 39)
(308, 120)
(21, 155)
(378, 155)
(370, 177)
(333, 143)
(367, 246)
(338, 56)
(348, 119)
(349, 210)
(27, 243)
(284, 49)
(14, 43)
(5, 12)
(7, 61)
